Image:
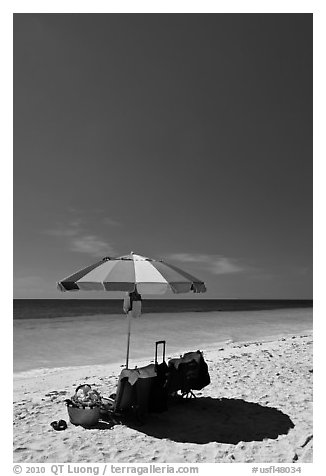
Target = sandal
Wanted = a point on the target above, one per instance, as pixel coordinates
(59, 425)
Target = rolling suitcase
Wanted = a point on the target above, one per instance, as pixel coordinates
(158, 394)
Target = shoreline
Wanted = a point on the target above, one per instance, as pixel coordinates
(80, 341)
(145, 359)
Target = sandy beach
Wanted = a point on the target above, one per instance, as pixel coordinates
(258, 408)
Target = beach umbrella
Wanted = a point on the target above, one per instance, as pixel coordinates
(135, 275)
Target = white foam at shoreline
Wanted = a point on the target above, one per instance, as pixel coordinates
(115, 367)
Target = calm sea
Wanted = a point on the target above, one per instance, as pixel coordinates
(51, 308)
(77, 332)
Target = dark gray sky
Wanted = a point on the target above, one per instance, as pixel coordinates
(186, 137)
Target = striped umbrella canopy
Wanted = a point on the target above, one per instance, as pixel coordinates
(132, 273)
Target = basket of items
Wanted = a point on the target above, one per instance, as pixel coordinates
(84, 407)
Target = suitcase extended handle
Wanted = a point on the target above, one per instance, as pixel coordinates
(157, 343)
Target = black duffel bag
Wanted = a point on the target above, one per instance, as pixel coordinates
(189, 372)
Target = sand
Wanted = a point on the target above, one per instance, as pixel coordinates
(258, 408)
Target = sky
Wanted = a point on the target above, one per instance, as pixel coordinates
(184, 137)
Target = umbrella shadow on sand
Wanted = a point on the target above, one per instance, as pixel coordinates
(204, 420)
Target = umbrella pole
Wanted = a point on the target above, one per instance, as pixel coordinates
(128, 338)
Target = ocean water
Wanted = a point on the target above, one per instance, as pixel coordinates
(50, 334)
(51, 308)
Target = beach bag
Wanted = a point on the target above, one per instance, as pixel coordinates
(132, 305)
(134, 389)
(189, 372)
